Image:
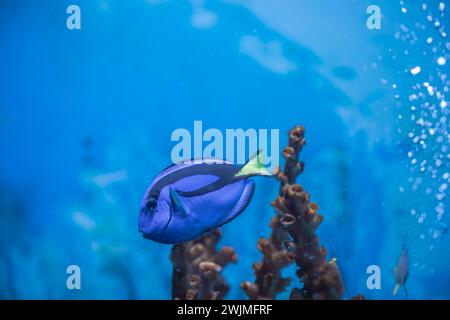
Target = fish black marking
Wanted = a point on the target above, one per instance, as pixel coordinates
(224, 171)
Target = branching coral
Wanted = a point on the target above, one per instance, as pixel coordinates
(293, 239)
(197, 267)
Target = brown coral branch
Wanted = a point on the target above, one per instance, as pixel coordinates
(197, 267)
(293, 239)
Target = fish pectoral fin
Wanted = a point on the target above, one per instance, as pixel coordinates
(177, 204)
(254, 167)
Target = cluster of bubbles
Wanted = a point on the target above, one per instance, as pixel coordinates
(426, 107)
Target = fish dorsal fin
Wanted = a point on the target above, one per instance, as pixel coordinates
(176, 203)
(254, 167)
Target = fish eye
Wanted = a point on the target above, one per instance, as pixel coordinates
(150, 205)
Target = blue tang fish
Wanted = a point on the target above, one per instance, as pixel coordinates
(189, 199)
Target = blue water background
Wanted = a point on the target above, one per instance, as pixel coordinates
(78, 105)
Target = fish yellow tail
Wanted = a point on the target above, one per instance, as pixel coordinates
(254, 167)
(397, 286)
